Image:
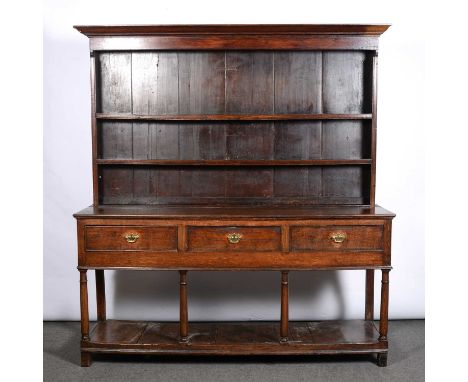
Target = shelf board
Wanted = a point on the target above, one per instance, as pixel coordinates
(230, 338)
(231, 117)
(249, 211)
(266, 162)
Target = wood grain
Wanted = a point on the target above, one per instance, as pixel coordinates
(100, 238)
(229, 338)
(202, 239)
(318, 238)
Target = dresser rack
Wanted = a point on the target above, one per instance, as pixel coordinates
(234, 147)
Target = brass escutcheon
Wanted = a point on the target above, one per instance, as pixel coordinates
(131, 237)
(337, 237)
(234, 238)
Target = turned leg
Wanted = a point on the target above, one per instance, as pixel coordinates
(85, 357)
(183, 331)
(100, 295)
(284, 307)
(369, 314)
(383, 328)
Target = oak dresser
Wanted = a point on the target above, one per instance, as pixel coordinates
(234, 147)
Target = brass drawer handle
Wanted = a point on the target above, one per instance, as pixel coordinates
(234, 238)
(338, 237)
(131, 237)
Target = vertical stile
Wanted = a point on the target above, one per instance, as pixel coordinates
(285, 238)
(182, 238)
(94, 130)
(374, 130)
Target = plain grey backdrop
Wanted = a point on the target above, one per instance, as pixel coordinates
(227, 295)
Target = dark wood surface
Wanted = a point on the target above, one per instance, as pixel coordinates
(229, 117)
(259, 89)
(207, 239)
(234, 147)
(369, 299)
(206, 37)
(205, 243)
(213, 29)
(109, 238)
(318, 238)
(284, 324)
(226, 212)
(329, 337)
(230, 162)
(183, 312)
(100, 295)
(180, 109)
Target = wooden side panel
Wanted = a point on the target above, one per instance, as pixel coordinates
(298, 82)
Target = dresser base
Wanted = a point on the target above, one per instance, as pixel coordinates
(235, 338)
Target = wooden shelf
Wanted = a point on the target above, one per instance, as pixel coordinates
(177, 162)
(234, 338)
(231, 117)
(233, 212)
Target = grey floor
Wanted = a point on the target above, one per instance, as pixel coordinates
(406, 362)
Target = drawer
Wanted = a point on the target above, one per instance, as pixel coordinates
(234, 239)
(130, 238)
(331, 238)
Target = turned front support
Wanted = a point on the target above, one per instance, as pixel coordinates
(369, 313)
(85, 357)
(100, 295)
(84, 306)
(383, 329)
(284, 306)
(183, 330)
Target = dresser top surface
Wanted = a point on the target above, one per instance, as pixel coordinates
(316, 29)
(228, 212)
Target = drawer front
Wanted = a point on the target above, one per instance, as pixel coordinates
(333, 238)
(130, 238)
(258, 239)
